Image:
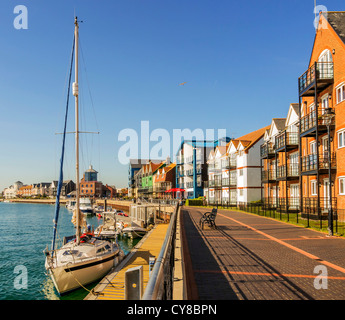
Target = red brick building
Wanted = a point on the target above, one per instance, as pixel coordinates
(89, 186)
(304, 155)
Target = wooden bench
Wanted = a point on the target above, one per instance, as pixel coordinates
(209, 218)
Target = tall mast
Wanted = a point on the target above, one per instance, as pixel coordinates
(76, 94)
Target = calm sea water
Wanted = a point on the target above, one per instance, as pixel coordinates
(25, 231)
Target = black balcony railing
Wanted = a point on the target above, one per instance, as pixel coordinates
(310, 121)
(319, 71)
(268, 175)
(291, 170)
(286, 139)
(267, 150)
(309, 162)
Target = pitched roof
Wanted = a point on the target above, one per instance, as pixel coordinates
(251, 138)
(337, 20)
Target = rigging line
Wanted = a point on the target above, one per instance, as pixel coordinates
(59, 187)
(88, 84)
(93, 107)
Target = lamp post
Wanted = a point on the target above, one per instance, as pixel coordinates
(327, 118)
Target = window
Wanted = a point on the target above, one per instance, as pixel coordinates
(342, 185)
(313, 147)
(340, 93)
(324, 103)
(241, 192)
(341, 139)
(240, 172)
(313, 187)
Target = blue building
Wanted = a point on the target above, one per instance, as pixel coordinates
(191, 165)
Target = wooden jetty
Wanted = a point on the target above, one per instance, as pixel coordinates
(112, 286)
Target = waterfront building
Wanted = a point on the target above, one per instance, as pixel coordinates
(234, 171)
(304, 163)
(144, 178)
(25, 191)
(40, 189)
(163, 180)
(109, 191)
(67, 187)
(134, 166)
(270, 162)
(11, 191)
(89, 185)
(280, 163)
(191, 165)
(322, 94)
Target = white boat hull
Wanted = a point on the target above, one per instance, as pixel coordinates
(133, 232)
(70, 278)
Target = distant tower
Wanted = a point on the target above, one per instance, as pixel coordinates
(90, 174)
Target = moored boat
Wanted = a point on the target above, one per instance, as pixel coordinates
(85, 257)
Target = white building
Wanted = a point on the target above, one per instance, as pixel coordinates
(11, 192)
(234, 174)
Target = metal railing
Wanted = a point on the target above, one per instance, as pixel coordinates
(266, 150)
(286, 139)
(160, 284)
(292, 170)
(310, 120)
(309, 162)
(318, 71)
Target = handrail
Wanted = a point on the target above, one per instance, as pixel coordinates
(153, 285)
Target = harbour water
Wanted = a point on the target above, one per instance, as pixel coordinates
(25, 231)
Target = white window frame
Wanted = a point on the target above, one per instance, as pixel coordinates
(341, 182)
(313, 187)
(341, 138)
(324, 103)
(340, 89)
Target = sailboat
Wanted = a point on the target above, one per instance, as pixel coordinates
(83, 258)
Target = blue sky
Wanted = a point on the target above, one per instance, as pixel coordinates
(240, 61)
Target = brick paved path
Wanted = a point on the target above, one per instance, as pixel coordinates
(249, 257)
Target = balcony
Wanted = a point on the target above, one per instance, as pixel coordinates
(288, 172)
(286, 141)
(229, 182)
(311, 122)
(268, 176)
(229, 163)
(214, 167)
(310, 163)
(267, 150)
(319, 76)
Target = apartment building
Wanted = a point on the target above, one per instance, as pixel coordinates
(144, 178)
(133, 168)
(322, 119)
(191, 166)
(234, 170)
(12, 191)
(304, 161)
(163, 180)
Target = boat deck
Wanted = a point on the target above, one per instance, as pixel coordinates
(112, 286)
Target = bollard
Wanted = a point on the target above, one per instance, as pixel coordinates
(134, 287)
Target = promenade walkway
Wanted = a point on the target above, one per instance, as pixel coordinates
(249, 257)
